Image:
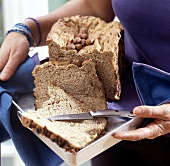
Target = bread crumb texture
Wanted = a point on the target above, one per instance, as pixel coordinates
(63, 88)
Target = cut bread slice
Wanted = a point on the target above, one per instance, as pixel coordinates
(80, 81)
(64, 88)
(70, 135)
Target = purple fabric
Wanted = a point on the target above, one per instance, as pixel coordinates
(35, 59)
(147, 40)
(129, 98)
(147, 30)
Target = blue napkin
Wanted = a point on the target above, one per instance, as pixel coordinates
(152, 84)
(31, 149)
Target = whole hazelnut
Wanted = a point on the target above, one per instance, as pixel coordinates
(78, 47)
(77, 62)
(90, 41)
(70, 46)
(83, 35)
(83, 42)
(76, 40)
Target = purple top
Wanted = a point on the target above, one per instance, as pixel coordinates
(147, 30)
(147, 40)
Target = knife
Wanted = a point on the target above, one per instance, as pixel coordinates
(92, 115)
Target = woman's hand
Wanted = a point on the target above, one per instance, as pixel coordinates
(159, 126)
(14, 51)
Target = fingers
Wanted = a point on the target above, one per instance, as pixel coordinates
(151, 131)
(9, 69)
(4, 55)
(11, 65)
(160, 125)
(12, 53)
(157, 112)
(134, 135)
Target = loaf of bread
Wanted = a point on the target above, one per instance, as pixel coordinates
(86, 60)
(87, 37)
(63, 88)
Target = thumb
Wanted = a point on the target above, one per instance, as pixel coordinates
(9, 69)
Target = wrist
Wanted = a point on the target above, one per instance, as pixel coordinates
(35, 27)
(24, 30)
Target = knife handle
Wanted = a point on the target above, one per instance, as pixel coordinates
(117, 113)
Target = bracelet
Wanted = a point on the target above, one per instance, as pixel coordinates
(23, 26)
(39, 29)
(29, 38)
(23, 29)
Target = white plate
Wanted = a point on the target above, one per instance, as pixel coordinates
(101, 144)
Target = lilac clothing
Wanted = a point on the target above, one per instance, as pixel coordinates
(147, 40)
(35, 59)
(147, 30)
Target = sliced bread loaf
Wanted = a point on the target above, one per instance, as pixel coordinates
(87, 37)
(62, 88)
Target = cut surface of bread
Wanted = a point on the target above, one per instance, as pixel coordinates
(80, 82)
(87, 37)
(64, 88)
(70, 135)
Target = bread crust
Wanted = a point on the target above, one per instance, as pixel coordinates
(107, 51)
(84, 93)
(32, 123)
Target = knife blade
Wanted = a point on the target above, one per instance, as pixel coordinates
(92, 115)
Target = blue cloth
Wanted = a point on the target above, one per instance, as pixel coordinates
(152, 84)
(31, 149)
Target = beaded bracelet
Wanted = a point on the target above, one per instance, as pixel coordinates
(39, 29)
(23, 29)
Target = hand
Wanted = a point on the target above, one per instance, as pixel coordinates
(159, 126)
(14, 51)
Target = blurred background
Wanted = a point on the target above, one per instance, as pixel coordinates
(12, 12)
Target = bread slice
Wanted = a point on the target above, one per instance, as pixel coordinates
(66, 89)
(80, 81)
(88, 37)
(70, 135)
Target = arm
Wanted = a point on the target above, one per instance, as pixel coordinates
(15, 47)
(98, 8)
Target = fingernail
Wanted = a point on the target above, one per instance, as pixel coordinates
(4, 76)
(137, 110)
